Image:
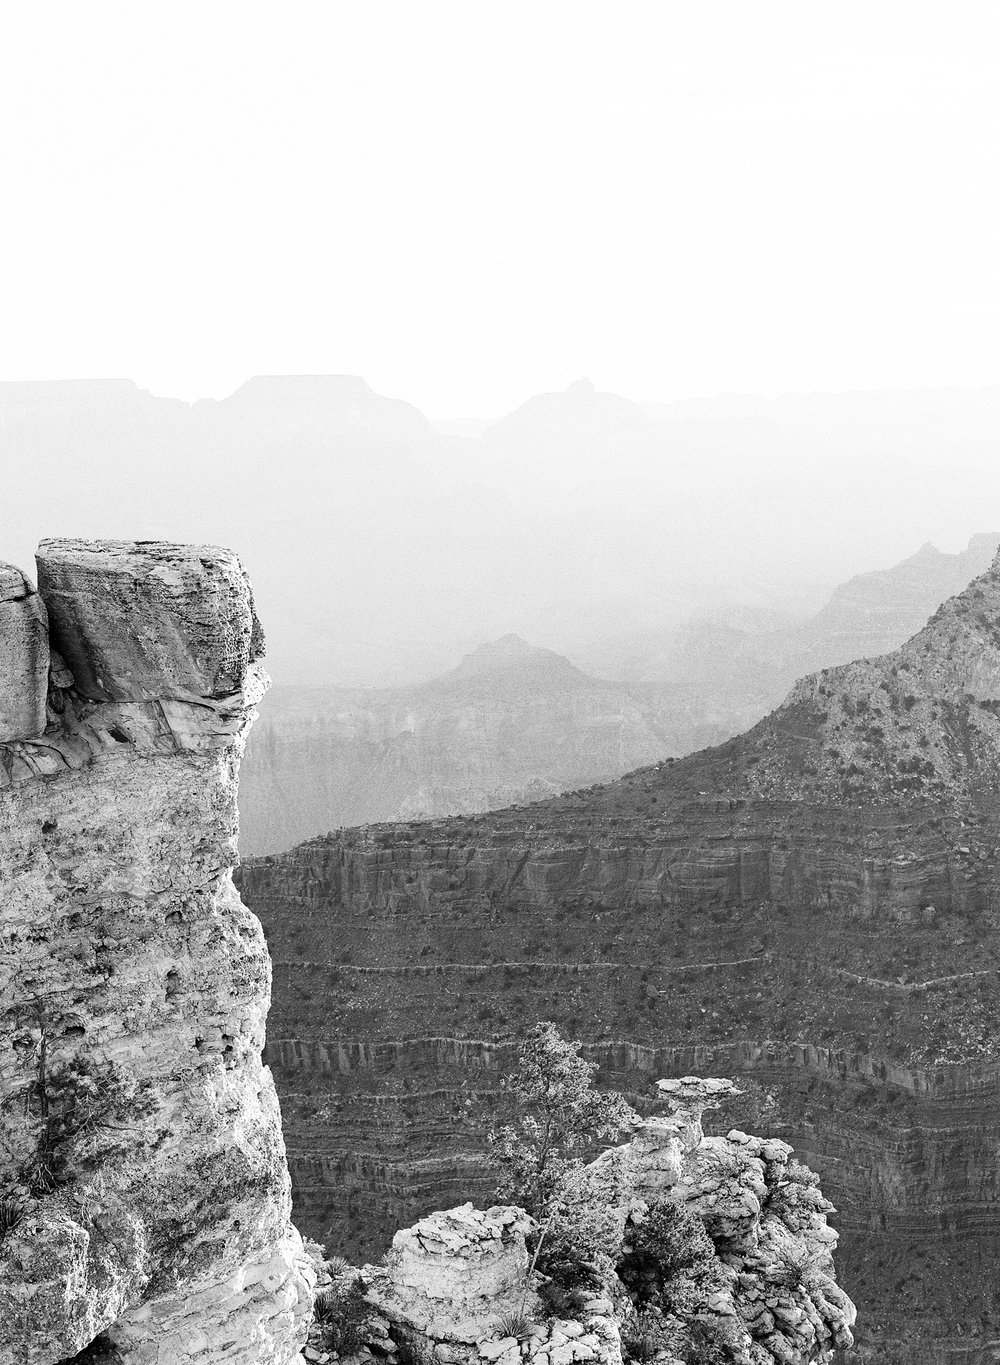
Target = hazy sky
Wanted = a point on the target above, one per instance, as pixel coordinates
(470, 202)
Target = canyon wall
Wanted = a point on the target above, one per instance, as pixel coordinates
(144, 1192)
(514, 723)
(814, 905)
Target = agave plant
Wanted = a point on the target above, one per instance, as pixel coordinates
(11, 1214)
(514, 1323)
(326, 1308)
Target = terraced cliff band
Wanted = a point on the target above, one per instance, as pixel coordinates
(814, 904)
(144, 1194)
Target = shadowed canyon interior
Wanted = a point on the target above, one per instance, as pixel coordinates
(813, 904)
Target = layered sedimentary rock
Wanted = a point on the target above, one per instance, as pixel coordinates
(769, 1286)
(144, 1194)
(512, 723)
(814, 905)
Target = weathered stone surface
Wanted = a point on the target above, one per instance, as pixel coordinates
(147, 620)
(453, 1273)
(24, 657)
(140, 1137)
(448, 1279)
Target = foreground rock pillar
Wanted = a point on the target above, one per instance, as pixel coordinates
(144, 1194)
(24, 657)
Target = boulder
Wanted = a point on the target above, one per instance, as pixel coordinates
(148, 620)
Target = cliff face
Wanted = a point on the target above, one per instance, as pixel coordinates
(144, 1194)
(814, 905)
(874, 612)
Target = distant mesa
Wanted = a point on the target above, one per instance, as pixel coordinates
(298, 388)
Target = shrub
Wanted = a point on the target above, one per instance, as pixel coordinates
(793, 1269)
(562, 1302)
(700, 1341)
(651, 1333)
(711, 1342)
(571, 1266)
(341, 1315)
(669, 1261)
(70, 1103)
(641, 1340)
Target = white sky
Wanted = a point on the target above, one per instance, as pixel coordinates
(470, 202)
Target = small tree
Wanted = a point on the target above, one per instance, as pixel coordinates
(558, 1115)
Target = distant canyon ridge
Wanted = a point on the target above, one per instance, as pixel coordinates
(384, 546)
(515, 723)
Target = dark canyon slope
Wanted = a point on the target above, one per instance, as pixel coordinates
(813, 904)
(514, 723)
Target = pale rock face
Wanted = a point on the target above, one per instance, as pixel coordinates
(24, 657)
(452, 1273)
(139, 621)
(139, 1132)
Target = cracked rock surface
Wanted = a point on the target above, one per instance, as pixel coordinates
(144, 1193)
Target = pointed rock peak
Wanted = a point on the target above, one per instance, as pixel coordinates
(927, 551)
(508, 649)
(511, 659)
(505, 647)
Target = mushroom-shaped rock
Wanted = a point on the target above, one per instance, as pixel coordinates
(687, 1098)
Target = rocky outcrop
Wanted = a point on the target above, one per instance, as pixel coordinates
(451, 1275)
(144, 1195)
(813, 905)
(452, 1285)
